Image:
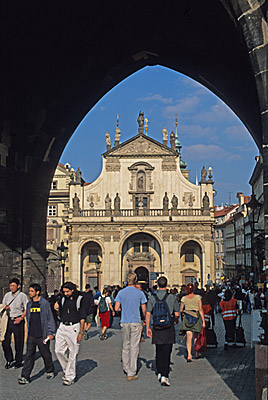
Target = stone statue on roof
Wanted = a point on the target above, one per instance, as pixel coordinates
(141, 122)
(165, 201)
(203, 175)
(165, 136)
(108, 141)
(108, 202)
(174, 202)
(117, 202)
(78, 176)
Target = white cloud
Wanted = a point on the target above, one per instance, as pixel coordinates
(219, 112)
(157, 97)
(186, 105)
(196, 131)
(210, 152)
(237, 132)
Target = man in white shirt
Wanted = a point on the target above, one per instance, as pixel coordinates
(15, 302)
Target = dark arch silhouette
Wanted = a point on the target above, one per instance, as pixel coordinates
(59, 60)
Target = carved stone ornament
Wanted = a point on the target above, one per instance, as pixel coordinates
(142, 147)
(113, 164)
(93, 198)
(169, 164)
(188, 198)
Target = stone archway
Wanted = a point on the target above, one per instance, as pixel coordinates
(191, 262)
(91, 264)
(141, 250)
(221, 44)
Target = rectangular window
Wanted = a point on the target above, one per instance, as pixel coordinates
(136, 247)
(50, 234)
(52, 211)
(144, 201)
(54, 185)
(145, 247)
(189, 255)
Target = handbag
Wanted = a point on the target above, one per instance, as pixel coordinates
(201, 341)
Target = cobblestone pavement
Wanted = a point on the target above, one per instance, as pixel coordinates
(220, 375)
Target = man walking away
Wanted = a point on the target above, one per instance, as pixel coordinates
(41, 329)
(89, 304)
(15, 302)
(165, 309)
(130, 299)
(72, 313)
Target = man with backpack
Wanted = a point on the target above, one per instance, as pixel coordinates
(73, 312)
(164, 309)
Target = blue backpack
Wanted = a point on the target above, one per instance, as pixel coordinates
(161, 314)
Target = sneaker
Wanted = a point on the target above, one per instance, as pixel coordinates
(85, 336)
(159, 376)
(165, 381)
(132, 378)
(23, 381)
(67, 383)
(9, 364)
(101, 337)
(50, 375)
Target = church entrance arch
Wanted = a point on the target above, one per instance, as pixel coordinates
(143, 277)
(91, 265)
(191, 262)
(141, 253)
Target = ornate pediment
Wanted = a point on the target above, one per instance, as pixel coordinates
(141, 146)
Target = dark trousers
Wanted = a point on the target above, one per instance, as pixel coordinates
(32, 342)
(229, 330)
(163, 353)
(18, 331)
(212, 316)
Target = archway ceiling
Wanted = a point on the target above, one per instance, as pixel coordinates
(65, 57)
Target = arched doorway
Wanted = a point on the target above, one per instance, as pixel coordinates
(143, 277)
(191, 262)
(91, 265)
(141, 253)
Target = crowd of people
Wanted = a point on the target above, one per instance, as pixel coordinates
(68, 315)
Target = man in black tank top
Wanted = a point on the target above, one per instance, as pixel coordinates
(72, 312)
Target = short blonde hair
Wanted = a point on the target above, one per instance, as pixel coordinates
(132, 278)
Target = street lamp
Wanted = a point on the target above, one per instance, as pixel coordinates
(62, 250)
(253, 211)
(98, 267)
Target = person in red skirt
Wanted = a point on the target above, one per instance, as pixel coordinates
(104, 308)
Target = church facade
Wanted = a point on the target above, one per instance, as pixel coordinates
(141, 214)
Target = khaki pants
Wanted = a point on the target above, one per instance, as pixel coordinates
(131, 338)
(66, 339)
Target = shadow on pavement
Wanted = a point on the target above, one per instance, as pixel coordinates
(85, 367)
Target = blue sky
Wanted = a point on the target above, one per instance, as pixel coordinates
(210, 133)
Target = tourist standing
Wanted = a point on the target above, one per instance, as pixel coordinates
(41, 329)
(130, 299)
(15, 308)
(164, 307)
(72, 313)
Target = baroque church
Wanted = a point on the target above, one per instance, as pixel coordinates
(141, 214)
